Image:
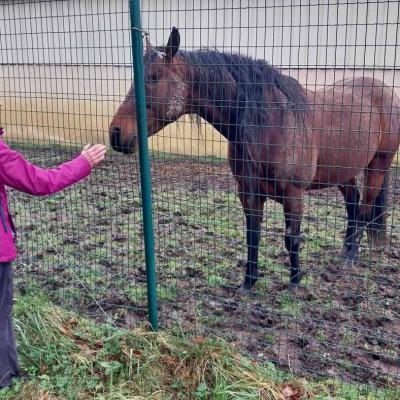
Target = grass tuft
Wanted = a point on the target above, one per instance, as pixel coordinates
(68, 357)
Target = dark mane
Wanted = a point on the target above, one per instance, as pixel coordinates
(250, 111)
(252, 77)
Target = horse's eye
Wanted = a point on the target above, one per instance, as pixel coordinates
(153, 78)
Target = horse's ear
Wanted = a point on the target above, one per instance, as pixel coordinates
(149, 46)
(172, 46)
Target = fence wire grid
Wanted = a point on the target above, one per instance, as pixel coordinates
(321, 112)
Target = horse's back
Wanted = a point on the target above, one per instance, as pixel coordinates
(352, 120)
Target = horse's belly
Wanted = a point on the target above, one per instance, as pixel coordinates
(337, 164)
(333, 176)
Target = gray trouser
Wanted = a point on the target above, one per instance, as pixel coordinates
(8, 350)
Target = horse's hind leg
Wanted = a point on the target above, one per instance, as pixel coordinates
(359, 216)
(372, 211)
(351, 196)
(293, 209)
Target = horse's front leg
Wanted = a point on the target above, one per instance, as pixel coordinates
(293, 209)
(253, 206)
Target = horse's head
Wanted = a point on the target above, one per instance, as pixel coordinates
(166, 90)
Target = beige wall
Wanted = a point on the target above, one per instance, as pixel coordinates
(296, 33)
(65, 64)
(76, 107)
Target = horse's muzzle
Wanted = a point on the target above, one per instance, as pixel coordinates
(116, 141)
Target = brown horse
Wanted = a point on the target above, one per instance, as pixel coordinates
(283, 139)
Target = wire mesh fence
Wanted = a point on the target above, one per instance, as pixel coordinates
(300, 130)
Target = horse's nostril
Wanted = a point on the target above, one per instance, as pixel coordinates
(115, 137)
(116, 141)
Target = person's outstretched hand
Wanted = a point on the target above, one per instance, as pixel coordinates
(94, 154)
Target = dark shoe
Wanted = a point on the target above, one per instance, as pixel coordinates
(7, 380)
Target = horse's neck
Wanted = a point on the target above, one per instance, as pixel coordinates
(218, 117)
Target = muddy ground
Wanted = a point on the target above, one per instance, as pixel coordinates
(84, 247)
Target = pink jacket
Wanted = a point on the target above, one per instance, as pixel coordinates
(20, 174)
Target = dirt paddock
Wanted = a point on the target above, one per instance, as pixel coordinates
(84, 248)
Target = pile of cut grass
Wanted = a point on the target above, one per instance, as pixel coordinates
(68, 357)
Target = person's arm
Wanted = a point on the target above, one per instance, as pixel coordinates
(20, 174)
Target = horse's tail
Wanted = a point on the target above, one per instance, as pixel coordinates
(376, 228)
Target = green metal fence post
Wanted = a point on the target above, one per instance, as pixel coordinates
(145, 179)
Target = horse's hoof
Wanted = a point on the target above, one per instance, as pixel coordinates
(244, 290)
(344, 254)
(293, 288)
(349, 264)
(348, 257)
(247, 285)
(349, 253)
(295, 280)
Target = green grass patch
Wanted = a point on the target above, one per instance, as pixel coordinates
(68, 357)
(158, 155)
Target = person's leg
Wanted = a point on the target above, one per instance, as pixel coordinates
(8, 350)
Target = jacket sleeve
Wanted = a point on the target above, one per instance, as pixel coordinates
(20, 174)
